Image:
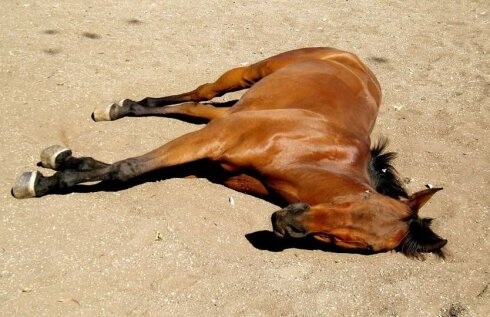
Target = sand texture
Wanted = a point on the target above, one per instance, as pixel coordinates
(98, 254)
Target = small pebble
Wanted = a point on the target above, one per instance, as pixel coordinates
(407, 180)
(231, 201)
(429, 186)
(397, 107)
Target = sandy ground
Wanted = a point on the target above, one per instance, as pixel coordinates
(96, 254)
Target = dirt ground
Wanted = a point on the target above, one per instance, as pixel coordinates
(97, 254)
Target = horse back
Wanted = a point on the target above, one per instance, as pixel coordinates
(343, 93)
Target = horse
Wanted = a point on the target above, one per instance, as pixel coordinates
(299, 135)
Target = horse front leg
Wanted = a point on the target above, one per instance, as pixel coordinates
(59, 158)
(195, 146)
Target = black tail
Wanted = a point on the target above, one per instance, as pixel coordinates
(383, 174)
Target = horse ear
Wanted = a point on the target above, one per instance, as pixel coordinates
(418, 199)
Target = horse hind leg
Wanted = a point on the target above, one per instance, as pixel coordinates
(233, 80)
(127, 108)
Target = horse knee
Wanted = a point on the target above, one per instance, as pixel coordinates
(124, 170)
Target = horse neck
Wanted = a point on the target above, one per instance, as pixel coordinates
(316, 185)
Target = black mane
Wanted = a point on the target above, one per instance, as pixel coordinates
(383, 174)
(420, 237)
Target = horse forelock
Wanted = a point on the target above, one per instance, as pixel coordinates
(421, 239)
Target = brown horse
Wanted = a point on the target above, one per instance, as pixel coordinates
(301, 133)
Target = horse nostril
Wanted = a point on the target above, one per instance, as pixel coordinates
(276, 228)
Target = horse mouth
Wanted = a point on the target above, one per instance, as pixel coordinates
(278, 234)
(283, 230)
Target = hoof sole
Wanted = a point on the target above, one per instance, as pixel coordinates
(106, 113)
(50, 154)
(25, 185)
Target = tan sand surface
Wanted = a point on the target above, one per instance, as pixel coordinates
(96, 254)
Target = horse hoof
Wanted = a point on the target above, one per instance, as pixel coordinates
(107, 113)
(25, 185)
(50, 154)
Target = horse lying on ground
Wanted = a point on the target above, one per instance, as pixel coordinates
(301, 134)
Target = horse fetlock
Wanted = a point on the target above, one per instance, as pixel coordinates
(146, 102)
(64, 179)
(25, 186)
(53, 156)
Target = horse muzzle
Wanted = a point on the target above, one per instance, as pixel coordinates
(286, 223)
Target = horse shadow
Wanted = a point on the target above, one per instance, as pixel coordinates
(266, 240)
